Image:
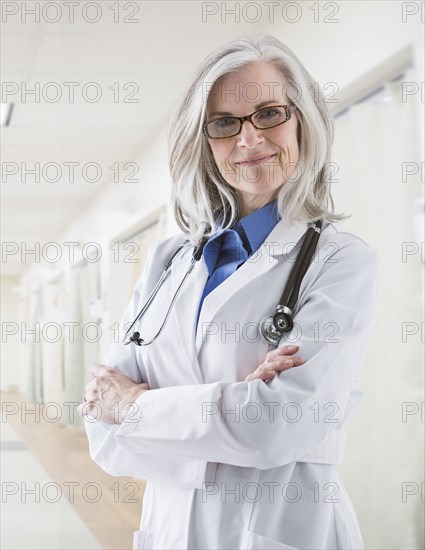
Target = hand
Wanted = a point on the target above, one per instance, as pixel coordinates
(110, 395)
(276, 361)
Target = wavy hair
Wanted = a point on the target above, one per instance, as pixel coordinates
(200, 195)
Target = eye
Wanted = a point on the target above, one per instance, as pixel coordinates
(224, 122)
(269, 113)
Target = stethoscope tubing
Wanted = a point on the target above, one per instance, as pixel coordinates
(151, 297)
(290, 294)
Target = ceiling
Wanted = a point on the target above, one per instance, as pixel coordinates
(148, 62)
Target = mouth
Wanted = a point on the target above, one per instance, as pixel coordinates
(254, 161)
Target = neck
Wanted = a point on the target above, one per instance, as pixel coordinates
(247, 207)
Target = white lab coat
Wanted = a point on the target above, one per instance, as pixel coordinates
(233, 464)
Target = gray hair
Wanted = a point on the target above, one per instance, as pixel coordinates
(200, 194)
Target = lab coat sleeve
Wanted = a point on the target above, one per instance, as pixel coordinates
(103, 447)
(254, 424)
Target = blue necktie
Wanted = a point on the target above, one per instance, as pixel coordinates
(223, 254)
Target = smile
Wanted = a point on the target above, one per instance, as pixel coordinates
(253, 162)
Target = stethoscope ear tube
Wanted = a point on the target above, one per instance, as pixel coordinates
(200, 248)
(135, 337)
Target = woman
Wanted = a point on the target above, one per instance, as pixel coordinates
(240, 450)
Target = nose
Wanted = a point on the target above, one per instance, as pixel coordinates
(249, 136)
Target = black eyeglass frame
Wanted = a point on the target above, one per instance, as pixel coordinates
(289, 110)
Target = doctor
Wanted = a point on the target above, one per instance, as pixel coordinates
(240, 450)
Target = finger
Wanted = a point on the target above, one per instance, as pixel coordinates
(281, 365)
(90, 409)
(286, 350)
(252, 377)
(286, 363)
(97, 369)
(261, 373)
(91, 385)
(266, 374)
(92, 396)
(278, 352)
(85, 408)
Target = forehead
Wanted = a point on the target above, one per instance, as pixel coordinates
(246, 88)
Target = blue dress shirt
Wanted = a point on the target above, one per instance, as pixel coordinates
(228, 249)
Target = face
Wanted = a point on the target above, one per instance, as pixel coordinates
(273, 152)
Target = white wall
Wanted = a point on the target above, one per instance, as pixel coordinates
(11, 373)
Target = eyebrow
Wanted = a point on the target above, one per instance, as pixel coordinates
(256, 108)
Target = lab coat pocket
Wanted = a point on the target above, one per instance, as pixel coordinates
(254, 541)
(139, 539)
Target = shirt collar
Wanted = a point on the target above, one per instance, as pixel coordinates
(259, 223)
(251, 230)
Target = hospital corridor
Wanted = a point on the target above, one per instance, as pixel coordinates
(111, 143)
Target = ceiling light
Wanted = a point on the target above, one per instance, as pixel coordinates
(6, 113)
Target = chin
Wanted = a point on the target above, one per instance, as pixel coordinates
(257, 193)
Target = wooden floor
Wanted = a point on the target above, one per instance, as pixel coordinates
(63, 453)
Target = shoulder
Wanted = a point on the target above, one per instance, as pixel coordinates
(161, 251)
(164, 247)
(343, 255)
(338, 237)
(345, 267)
(158, 254)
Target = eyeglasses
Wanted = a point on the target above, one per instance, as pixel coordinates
(230, 126)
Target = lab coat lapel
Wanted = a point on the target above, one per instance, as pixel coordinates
(186, 306)
(280, 244)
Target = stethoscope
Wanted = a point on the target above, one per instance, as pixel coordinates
(273, 326)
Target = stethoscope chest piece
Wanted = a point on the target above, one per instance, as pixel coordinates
(268, 330)
(274, 326)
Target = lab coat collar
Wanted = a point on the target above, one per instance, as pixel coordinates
(284, 238)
